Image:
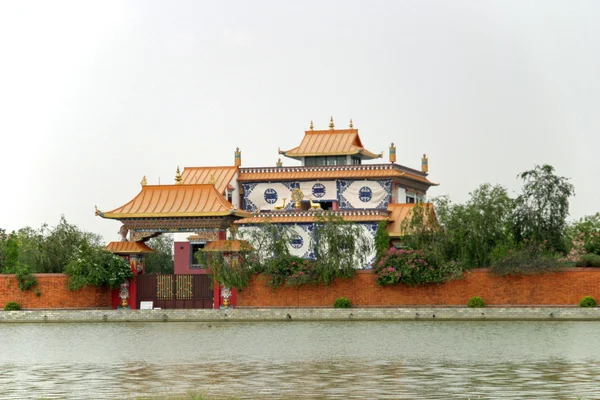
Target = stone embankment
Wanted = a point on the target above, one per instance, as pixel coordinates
(307, 314)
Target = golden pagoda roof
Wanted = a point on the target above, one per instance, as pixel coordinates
(401, 213)
(329, 143)
(164, 201)
(128, 248)
(364, 171)
(228, 246)
(205, 175)
(311, 216)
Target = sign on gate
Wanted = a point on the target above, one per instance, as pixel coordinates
(146, 305)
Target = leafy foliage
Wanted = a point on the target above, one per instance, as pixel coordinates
(476, 302)
(25, 278)
(587, 230)
(588, 301)
(342, 302)
(412, 268)
(97, 267)
(589, 260)
(339, 247)
(161, 261)
(382, 239)
(527, 258)
(541, 210)
(12, 306)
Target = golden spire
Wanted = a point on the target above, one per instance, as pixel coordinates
(144, 181)
(212, 180)
(424, 164)
(178, 176)
(392, 153)
(279, 163)
(237, 157)
(351, 125)
(311, 125)
(331, 125)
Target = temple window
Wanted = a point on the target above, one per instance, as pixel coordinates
(324, 160)
(193, 249)
(356, 161)
(410, 197)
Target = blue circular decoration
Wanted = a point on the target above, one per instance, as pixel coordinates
(365, 194)
(296, 241)
(318, 190)
(271, 196)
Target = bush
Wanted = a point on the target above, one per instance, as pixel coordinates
(527, 259)
(588, 301)
(342, 302)
(97, 267)
(12, 306)
(25, 278)
(412, 268)
(476, 302)
(589, 260)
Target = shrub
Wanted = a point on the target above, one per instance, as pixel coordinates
(342, 302)
(12, 306)
(412, 268)
(476, 302)
(589, 260)
(527, 259)
(97, 267)
(25, 278)
(588, 301)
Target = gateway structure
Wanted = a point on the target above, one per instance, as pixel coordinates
(337, 175)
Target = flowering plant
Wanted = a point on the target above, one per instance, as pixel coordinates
(412, 268)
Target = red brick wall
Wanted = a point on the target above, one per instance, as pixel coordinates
(561, 288)
(54, 293)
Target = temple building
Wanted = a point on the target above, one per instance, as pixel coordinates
(337, 175)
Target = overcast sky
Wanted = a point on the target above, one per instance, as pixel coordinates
(95, 95)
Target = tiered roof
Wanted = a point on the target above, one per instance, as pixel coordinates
(219, 176)
(330, 143)
(159, 201)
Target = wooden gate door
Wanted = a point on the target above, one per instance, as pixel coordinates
(175, 291)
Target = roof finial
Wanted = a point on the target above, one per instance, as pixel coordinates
(351, 125)
(237, 157)
(212, 180)
(331, 125)
(424, 164)
(178, 176)
(279, 163)
(311, 125)
(392, 153)
(144, 181)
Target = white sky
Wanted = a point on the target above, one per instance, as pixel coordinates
(94, 95)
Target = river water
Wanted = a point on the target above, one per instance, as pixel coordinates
(302, 360)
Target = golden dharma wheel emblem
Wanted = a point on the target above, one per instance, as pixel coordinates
(297, 196)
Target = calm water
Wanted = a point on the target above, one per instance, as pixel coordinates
(304, 360)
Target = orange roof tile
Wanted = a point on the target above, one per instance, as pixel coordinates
(175, 201)
(228, 246)
(310, 173)
(128, 248)
(330, 142)
(203, 175)
(309, 216)
(401, 213)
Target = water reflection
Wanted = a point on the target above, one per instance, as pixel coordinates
(407, 360)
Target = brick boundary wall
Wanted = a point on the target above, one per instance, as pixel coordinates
(565, 288)
(54, 293)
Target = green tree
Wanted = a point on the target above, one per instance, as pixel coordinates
(94, 266)
(161, 261)
(382, 240)
(587, 230)
(541, 210)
